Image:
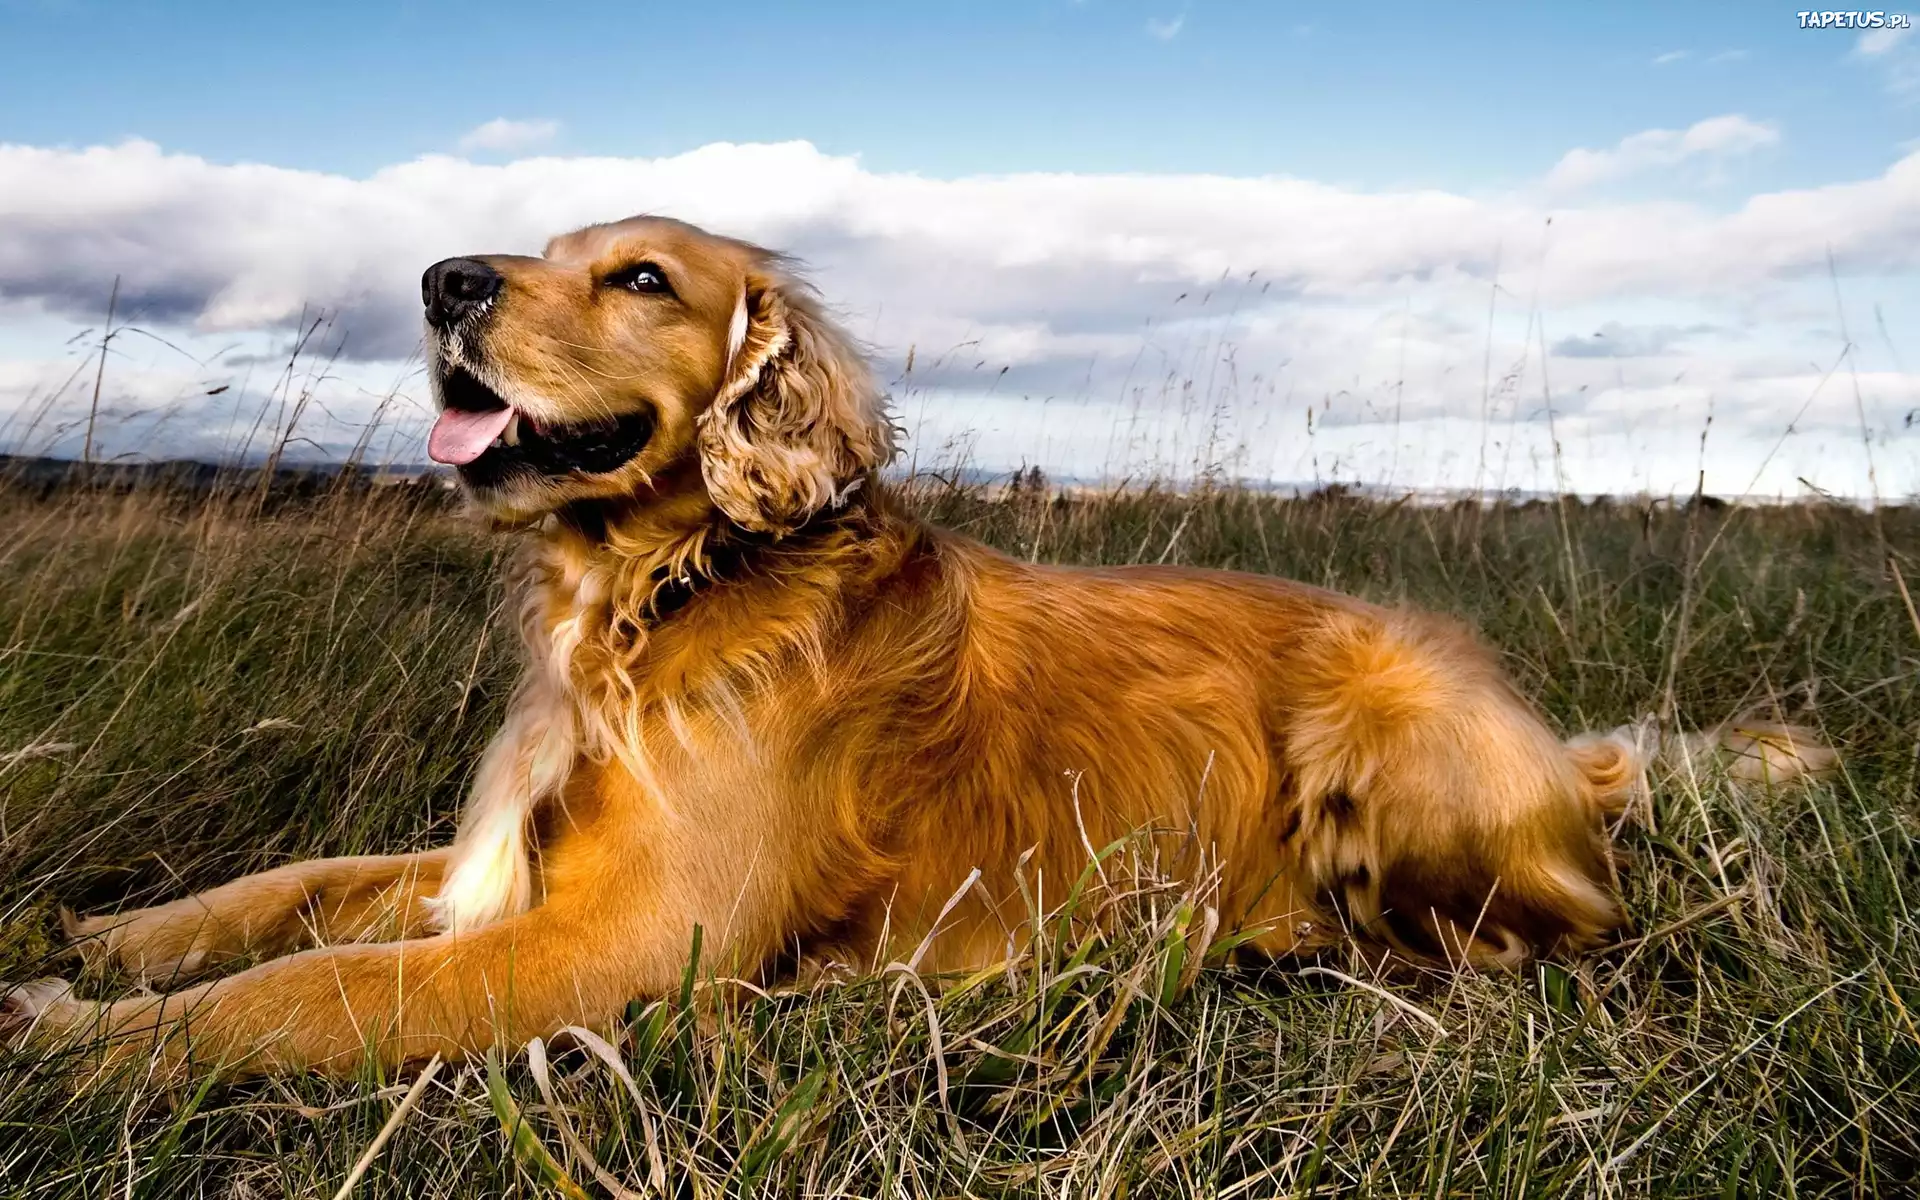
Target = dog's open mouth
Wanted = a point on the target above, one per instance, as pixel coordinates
(487, 438)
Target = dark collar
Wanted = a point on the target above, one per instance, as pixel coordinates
(728, 560)
(734, 555)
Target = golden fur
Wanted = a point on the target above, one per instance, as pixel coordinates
(761, 699)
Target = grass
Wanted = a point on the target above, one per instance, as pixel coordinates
(192, 688)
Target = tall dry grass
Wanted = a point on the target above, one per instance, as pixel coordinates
(196, 686)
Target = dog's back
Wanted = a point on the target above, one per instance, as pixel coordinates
(1329, 767)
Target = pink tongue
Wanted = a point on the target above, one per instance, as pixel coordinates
(459, 436)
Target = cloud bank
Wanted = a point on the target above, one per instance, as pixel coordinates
(1038, 306)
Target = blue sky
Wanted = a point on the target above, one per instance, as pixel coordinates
(1405, 243)
(1386, 94)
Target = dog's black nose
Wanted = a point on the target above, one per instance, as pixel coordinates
(454, 287)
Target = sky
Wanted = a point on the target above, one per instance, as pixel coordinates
(1604, 248)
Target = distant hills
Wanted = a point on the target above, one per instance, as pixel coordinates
(37, 473)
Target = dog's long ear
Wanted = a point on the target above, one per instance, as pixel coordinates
(799, 423)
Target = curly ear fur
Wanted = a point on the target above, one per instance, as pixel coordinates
(799, 423)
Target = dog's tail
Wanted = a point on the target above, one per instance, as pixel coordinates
(1751, 753)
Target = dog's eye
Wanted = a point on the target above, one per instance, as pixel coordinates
(644, 278)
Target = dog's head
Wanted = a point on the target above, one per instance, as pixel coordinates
(647, 360)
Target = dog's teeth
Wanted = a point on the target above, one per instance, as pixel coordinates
(512, 435)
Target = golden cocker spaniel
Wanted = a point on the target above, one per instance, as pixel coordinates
(762, 699)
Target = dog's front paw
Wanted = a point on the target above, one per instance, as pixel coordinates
(158, 946)
(44, 1018)
(23, 1005)
(90, 950)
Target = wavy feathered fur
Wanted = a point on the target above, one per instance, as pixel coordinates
(763, 700)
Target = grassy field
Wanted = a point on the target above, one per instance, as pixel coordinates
(192, 689)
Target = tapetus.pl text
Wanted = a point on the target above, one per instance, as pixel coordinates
(1876, 19)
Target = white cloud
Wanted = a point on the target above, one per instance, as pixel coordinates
(1895, 54)
(1714, 138)
(1671, 56)
(1112, 317)
(1168, 29)
(1877, 43)
(503, 135)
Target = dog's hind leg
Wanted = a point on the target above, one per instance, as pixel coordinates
(322, 901)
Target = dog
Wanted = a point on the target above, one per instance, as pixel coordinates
(762, 701)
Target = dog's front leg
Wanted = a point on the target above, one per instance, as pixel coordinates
(319, 901)
(331, 1009)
